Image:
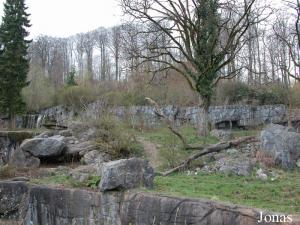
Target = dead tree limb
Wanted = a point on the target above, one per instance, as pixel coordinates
(203, 150)
(169, 124)
(210, 149)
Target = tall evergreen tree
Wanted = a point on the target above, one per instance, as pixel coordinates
(14, 63)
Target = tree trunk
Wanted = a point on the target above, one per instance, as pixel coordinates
(203, 118)
(12, 122)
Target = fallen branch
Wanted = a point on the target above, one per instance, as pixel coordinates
(210, 149)
(205, 149)
(170, 125)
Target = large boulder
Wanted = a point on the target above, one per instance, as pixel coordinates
(95, 157)
(44, 147)
(281, 143)
(126, 174)
(20, 159)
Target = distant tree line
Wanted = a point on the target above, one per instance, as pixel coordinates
(269, 51)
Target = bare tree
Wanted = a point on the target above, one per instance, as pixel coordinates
(79, 42)
(291, 39)
(206, 33)
(88, 46)
(102, 42)
(115, 48)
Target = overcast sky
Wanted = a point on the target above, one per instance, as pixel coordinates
(63, 18)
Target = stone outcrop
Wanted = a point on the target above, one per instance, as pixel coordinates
(126, 174)
(41, 205)
(10, 142)
(21, 159)
(13, 200)
(44, 147)
(220, 116)
(282, 143)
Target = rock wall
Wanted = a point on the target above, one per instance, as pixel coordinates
(10, 141)
(21, 203)
(220, 116)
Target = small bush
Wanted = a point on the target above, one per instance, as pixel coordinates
(76, 96)
(39, 94)
(93, 182)
(7, 172)
(233, 92)
(271, 94)
(295, 95)
(124, 98)
(114, 138)
(265, 159)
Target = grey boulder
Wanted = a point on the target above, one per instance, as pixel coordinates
(282, 144)
(240, 167)
(20, 159)
(126, 174)
(44, 147)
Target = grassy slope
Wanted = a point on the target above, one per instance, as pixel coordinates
(281, 195)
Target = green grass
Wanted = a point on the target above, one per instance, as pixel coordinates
(242, 133)
(68, 181)
(170, 148)
(163, 136)
(281, 195)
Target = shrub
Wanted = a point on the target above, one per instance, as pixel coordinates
(271, 94)
(114, 138)
(124, 98)
(295, 95)
(233, 92)
(39, 94)
(265, 159)
(7, 172)
(76, 96)
(93, 181)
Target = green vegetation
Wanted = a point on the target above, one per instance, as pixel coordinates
(163, 136)
(282, 194)
(68, 181)
(71, 78)
(170, 148)
(243, 133)
(14, 63)
(115, 138)
(60, 179)
(236, 92)
(93, 181)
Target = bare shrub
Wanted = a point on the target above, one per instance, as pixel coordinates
(7, 172)
(265, 159)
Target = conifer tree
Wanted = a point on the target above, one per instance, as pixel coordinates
(14, 63)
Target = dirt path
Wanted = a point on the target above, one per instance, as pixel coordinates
(151, 152)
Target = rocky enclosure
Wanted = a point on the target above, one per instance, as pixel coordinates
(41, 205)
(220, 116)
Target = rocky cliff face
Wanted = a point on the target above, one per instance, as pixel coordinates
(220, 116)
(21, 203)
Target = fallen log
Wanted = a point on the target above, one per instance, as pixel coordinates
(211, 149)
